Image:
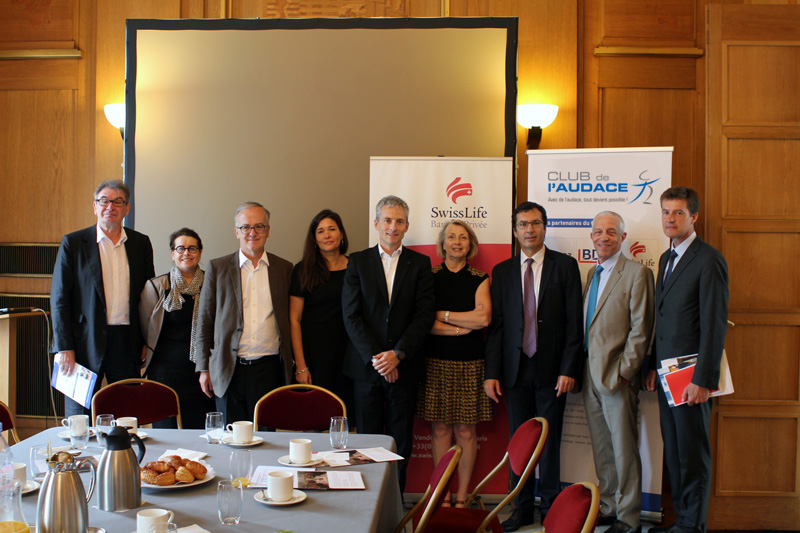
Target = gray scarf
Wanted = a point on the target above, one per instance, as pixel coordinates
(174, 299)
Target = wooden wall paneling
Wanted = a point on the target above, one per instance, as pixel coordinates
(662, 23)
(203, 9)
(49, 24)
(317, 9)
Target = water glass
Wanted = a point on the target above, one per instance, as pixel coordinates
(229, 502)
(38, 462)
(170, 527)
(241, 463)
(339, 432)
(103, 424)
(214, 425)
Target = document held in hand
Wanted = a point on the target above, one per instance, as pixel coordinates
(676, 374)
(78, 386)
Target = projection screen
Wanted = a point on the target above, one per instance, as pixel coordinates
(287, 113)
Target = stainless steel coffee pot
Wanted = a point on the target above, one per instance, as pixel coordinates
(119, 483)
(63, 503)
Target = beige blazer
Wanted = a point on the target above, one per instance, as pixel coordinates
(622, 326)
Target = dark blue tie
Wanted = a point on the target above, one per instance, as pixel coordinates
(592, 303)
(529, 305)
(672, 255)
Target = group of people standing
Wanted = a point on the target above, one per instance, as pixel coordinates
(396, 338)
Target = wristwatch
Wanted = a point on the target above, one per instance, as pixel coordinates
(400, 354)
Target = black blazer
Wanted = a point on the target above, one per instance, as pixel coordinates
(375, 326)
(692, 311)
(77, 297)
(559, 316)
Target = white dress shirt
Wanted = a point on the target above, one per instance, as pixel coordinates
(260, 335)
(390, 267)
(116, 278)
(538, 261)
(680, 250)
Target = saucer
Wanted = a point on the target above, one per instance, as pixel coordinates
(141, 434)
(30, 486)
(256, 441)
(286, 461)
(297, 497)
(65, 434)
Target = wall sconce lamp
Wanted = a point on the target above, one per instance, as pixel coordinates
(534, 117)
(115, 114)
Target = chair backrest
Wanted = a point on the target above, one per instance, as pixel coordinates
(7, 419)
(434, 494)
(575, 510)
(149, 401)
(298, 407)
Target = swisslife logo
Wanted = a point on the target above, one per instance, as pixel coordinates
(473, 215)
(456, 190)
(637, 248)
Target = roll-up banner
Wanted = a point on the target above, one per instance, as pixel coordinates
(438, 189)
(573, 186)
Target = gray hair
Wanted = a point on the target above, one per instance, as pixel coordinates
(473, 239)
(248, 205)
(621, 224)
(390, 201)
(117, 185)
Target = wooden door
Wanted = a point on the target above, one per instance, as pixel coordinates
(753, 208)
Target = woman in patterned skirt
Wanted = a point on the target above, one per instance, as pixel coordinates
(452, 398)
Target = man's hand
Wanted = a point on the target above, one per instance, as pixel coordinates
(694, 394)
(650, 380)
(392, 376)
(66, 362)
(493, 389)
(564, 385)
(385, 363)
(205, 384)
(144, 354)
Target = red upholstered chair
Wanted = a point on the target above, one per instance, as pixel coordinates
(298, 407)
(575, 510)
(523, 454)
(149, 401)
(7, 419)
(433, 497)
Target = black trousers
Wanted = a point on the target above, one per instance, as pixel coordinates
(687, 452)
(248, 385)
(388, 408)
(529, 398)
(119, 362)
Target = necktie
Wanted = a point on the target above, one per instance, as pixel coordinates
(529, 305)
(590, 306)
(672, 255)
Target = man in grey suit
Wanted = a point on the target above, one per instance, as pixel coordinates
(691, 318)
(97, 281)
(618, 311)
(243, 336)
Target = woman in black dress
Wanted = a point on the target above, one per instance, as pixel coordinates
(315, 306)
(452, 398)
(168, 311)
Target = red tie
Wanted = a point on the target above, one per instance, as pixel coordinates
(529, 305)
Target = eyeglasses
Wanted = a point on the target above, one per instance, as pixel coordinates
(523, 224)
(260, 228)
(191, 249)
(118, 202)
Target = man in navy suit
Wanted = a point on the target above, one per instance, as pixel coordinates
(98, 278)
(535, 345)
(388, 306)
(691, 318)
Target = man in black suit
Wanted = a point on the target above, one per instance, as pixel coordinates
(388, 304)
(691, 318)
(535, 345)
(94, 297)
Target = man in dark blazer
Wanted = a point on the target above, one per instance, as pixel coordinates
(691, 318)
(535, 351)
(383, 356)
(244, 347)
(94, 296)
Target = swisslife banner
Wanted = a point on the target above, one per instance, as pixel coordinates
(438, 189)
(573, 186)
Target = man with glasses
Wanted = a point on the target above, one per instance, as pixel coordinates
(244, 347)
(535, 346)
(98, 278)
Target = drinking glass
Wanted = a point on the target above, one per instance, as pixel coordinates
(170, 527)
(229, 502)
(214, 424)
(241, 463)
(79, 438)
(38, 462)
(339, 432)
(103, 424)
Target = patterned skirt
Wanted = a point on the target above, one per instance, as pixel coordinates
(452, 392)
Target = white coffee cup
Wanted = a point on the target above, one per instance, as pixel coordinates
(149, 517)
(300, 451)
(279, 485)
(128, 421)
(242, 431)
(77, 424)
(21, 473)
